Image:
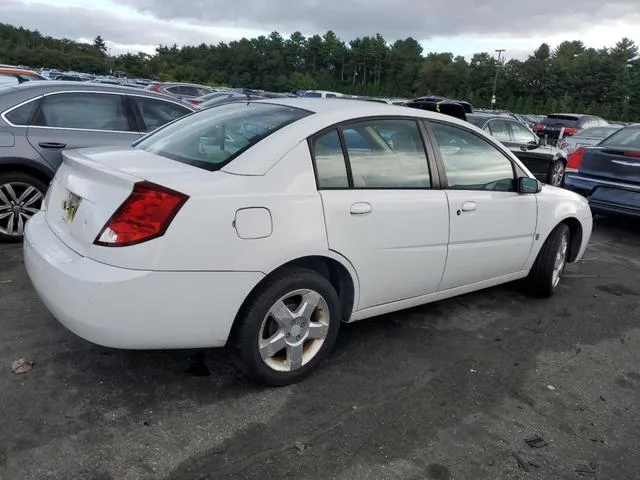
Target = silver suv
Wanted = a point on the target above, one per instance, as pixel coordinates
(40, 119)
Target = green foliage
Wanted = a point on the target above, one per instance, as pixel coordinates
(570, 77)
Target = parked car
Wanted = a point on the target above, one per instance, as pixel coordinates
(270, 240)
(209, 96)
(183, 91)
(321, 94)
(587, 137)
(40, 119)
(608, 174)
(228, 98)
(552, 125)
(18, 75)
(547, 163)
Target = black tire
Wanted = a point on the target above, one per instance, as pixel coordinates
(555, 177)
(17, 178)
(254, 313)
(540, 281)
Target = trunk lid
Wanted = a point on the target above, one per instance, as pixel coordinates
(612, 163)
(91, 184)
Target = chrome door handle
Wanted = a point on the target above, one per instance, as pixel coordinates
(468, 206)
(360, 208)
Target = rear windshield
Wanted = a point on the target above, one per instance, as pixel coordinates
(596, 132)
(626, 137)
(212, 138)
(557, 119)
(477, 121)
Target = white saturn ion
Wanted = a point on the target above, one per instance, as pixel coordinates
(265, 225)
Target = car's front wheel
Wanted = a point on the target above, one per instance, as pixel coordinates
(21, 196)
(288, 327)
(556, 173)
(548, 268)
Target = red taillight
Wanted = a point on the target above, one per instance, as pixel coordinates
(570, 131)
(539, 126)
(195, 103)
(144, 215)
(156, 87)
(575, 160)
(632, 153)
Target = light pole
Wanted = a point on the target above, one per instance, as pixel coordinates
(495, 79)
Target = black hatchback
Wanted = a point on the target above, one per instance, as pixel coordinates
(547, 163)
(552, 125)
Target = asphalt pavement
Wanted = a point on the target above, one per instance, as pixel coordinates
(445, 391)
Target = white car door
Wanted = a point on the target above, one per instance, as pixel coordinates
(381, 212)
(492, 226)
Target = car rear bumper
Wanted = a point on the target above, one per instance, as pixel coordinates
(606, 197)
(132, 309)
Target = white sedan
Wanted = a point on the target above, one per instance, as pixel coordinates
(267, 224)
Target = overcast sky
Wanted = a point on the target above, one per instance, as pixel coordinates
(460, 26)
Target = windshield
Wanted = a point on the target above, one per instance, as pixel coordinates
(212, 138)
(625, 137)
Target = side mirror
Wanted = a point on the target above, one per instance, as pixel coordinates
(528, 185)
(533, 144)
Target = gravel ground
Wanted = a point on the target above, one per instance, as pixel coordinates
(445, 391)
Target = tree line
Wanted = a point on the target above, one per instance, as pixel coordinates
(569, 77)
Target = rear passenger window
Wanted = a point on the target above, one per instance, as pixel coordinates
(22, 114)
(387, 154)
(156, 113)
(330, 164)
(85, 111)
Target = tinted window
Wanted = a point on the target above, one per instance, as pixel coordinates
(202, 91)
(172, 90)
(188, 91)
(331, 95)
(561, 120)
(312, 94)
(95, 111)
(22, 115)
(387, 154)
(470, 162)
(330, 164)
(626, 137)
(156, 113)
(500, 130)
(477, 121)
(522, 134)
(211, 138)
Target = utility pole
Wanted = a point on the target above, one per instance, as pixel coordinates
(495, 79)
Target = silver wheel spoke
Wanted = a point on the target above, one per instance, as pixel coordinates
(20, 223)
(308, 305)
(318, 331)
(11, 192)
(3, 198)
(281, 314)
(5, 215)
(294, 356)
(273, 345)
(27, 191)
(30, 211)
(10, 224)
(5, 207)
(37, 195)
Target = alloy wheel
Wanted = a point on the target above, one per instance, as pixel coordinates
(557, 174)
(18, 202)
(293, 330)
(560, 261)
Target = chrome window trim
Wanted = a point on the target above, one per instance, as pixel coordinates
(9, 110)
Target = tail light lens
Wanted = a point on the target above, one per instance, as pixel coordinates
(632, 153)
(156, 87)
(195, 103)
(575, 160)
(144, 215)
(570, 131)
(539, 126)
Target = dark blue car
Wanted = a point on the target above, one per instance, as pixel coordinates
(608, 174)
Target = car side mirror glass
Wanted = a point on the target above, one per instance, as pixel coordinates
(528, 185)
(533, 144)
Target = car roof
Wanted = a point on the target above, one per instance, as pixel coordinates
(39, 88)
(16, 71)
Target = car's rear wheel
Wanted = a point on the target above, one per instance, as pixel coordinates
(556, 173)
(21, 196)
(548, 268)
(288, 327)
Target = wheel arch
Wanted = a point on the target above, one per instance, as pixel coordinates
(334, 268)
(575, 239)
(24, 165)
